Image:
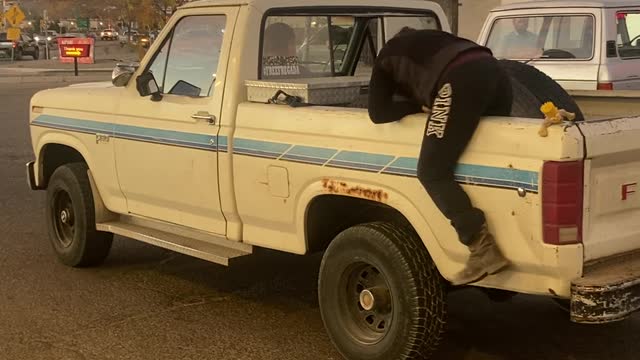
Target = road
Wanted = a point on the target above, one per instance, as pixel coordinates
(149, 303)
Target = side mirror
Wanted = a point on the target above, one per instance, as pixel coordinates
(122, 73)
(147, 85)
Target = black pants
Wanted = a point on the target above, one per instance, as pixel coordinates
(466, 92)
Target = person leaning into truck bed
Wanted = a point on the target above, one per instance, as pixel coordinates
(459, 81)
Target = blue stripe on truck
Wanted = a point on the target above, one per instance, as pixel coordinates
(319, 156)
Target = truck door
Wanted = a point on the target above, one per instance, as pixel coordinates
(166, 151)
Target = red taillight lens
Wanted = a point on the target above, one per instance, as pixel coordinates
(605, 86)
(14, 44)
(562, 192)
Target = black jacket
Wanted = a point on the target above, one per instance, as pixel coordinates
(410, 65)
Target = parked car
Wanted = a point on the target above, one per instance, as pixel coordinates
(24, 46)
(109, 34)
(582, 45)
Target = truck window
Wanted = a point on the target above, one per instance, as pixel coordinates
(295, 46)
(543, 37)
(187, 61)
(305, 46)
(628, 38)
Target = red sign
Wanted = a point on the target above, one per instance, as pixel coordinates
(80, 48)
(79, 51)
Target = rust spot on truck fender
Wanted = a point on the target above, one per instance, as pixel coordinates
(341, 187)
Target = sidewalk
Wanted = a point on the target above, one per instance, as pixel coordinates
(64, 77)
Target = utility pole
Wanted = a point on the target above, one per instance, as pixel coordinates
(45, 19)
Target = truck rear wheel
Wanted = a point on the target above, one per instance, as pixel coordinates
(71, 218)
(380, 294)
(532, 88)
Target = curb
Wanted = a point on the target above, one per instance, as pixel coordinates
(52, 78)
(44, 72)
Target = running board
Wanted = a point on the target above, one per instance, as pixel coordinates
(218, 253)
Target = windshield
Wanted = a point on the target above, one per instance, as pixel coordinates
(3, 36)
(628, 39)
(543, 37)
(328, 45)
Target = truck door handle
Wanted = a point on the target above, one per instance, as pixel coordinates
(203, 115)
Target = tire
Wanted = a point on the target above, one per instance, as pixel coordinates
(71, 218)
(392, 262)
(532, 88)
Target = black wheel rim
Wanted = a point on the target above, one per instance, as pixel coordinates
(63, 218)
(366, 303)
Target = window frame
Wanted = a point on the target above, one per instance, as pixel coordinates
(169, 38)
(618, 11)
(329, 11)
(593, 45)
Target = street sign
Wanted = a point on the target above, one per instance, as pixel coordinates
(14, 16)
(83, 23)
(76, 50)
(13, 34)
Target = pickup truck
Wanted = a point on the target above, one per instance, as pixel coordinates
(183, 152)
(583, 45)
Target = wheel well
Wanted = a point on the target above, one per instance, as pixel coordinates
(329, 215)
(55, 155)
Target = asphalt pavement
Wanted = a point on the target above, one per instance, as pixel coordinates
(149, 303)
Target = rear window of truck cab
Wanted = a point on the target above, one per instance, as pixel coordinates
(330, 44)
(553, 37)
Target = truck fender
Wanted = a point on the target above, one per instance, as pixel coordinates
(377, 193)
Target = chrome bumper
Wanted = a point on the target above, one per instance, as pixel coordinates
(609, 291)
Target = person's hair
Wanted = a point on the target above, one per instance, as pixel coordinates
(277, 37)
(405, 31)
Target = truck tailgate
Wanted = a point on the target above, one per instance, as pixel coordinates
(611, 215)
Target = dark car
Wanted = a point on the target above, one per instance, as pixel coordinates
(143, 40)
(24, 46)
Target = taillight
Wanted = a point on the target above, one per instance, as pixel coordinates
(562, 192)
(605, 86)
(14, 44)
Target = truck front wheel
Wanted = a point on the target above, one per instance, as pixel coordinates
(380, 294)
(71, 218)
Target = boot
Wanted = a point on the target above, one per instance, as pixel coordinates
(485, 259)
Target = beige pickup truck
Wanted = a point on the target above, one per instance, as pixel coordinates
(191, 151)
